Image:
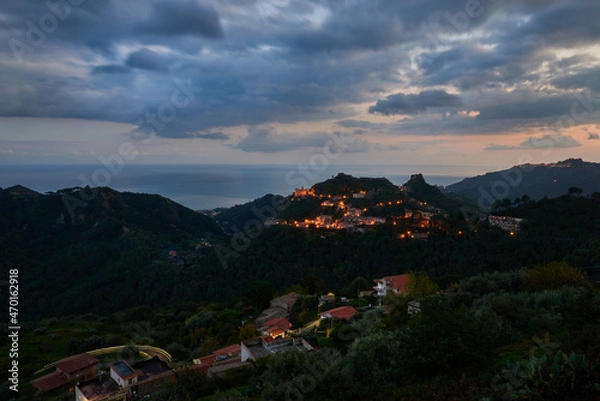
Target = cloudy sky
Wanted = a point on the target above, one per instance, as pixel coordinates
(440, 82)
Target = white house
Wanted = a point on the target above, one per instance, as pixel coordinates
(397, 284)
(123, 374)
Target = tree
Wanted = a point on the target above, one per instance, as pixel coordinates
(247, 331)
(356, 286)
(373, 364)
(314, 284)
(553, 275)
(501, 205)
(259, 294)
(294, 375)
(548, 375)
(444, 339)
(178, 351)
(575, 191)
(397, 305)
(420, 286)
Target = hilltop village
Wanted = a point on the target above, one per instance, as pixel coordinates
(359, 204)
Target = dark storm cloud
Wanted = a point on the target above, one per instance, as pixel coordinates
(183, 18)
(517, 44)
(581, 78)
(539, 108)
(37, 26)
(472, 67)
(349, 32)
(103, 24)
(400, 103)
(146, 59)
(561, 23)
(278, 61)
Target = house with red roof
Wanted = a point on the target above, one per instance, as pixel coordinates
(82, 367)
(276, 328)
(341, 313)
(221, 361)
(231, 351)
(51, 381)
(397, 284)
(222, 354)
(69, 370)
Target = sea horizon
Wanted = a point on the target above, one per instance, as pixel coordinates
(210, 186)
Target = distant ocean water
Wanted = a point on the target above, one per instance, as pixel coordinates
(202, 187)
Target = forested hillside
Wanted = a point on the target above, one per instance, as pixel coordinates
(534, 180)
(109, 251)
(500, 313)
(125, 249)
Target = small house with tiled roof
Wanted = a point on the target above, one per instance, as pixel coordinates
(83, 366)
(397, 284)
(51, 381)
(276, 328)
(341, 313)
(228, 352)
(123, 374)
(231, 351)
(69, 370)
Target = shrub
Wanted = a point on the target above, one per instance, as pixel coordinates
(553, 275)
(548, 375)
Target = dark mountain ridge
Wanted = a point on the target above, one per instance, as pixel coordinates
(68, 209)
(534, 180)
(100, 254)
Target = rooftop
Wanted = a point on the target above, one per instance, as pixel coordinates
(151, 368)
(226, 365)
(98, 387)
(50, 381)
(287, 299)
(264, 346)
(396, 282)
(123, 369)
(76, 363)
(280, 323)
(343, 312)
(271, 313)
(234, 349)
(205, 361)
(219, 355)
(257, 349)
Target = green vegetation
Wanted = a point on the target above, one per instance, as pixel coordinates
(502, 316)
(344, 184)
(536, 181)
